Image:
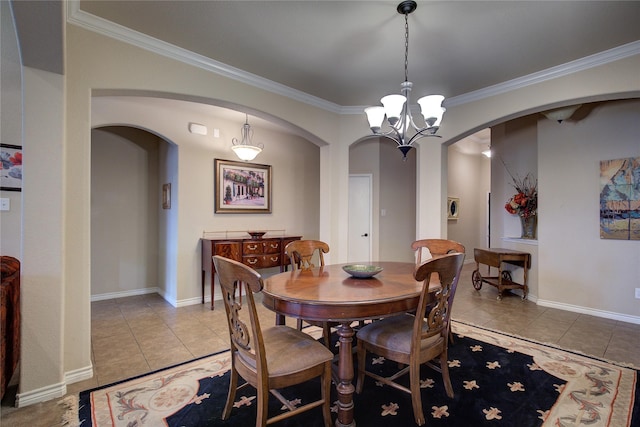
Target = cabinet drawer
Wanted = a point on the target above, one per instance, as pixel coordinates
(258, 247)
(262, 261)
(228, 249)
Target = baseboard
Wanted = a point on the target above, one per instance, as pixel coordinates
(43, 394)
(78, 375)
(590, 311)
(192, 301)
(123, 294)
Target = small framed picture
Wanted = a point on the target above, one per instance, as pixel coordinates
(166, 196)
(11, 170)
(242, 187)
(453, 207)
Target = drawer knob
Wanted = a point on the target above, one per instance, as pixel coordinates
(252, 247)
(252, 261)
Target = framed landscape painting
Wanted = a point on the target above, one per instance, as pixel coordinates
(10, 167)
(242, 187)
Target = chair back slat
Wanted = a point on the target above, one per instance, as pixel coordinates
(301, 253)
(438, 311)
(244, 327)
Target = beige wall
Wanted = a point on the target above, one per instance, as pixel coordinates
(469, 180)
(10, 128)
(578, 270)
(125, 206)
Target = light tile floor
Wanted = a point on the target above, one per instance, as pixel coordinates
(136, 335)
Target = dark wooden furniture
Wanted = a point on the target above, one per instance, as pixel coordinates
(497, 257)
(270, 358)
(330, 294)
(257, 253)
(412, 341)
(9, 320)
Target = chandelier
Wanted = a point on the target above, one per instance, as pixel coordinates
(245, 149)
(396, 107)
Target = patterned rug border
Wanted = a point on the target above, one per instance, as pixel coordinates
(549, 344)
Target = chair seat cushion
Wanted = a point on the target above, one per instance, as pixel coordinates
(289, 351)
(394, 333)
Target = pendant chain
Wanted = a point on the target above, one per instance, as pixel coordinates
(406, 47)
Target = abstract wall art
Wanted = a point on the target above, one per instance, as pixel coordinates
(620, 199)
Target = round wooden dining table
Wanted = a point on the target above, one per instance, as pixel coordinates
(328, 293)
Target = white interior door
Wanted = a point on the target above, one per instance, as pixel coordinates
(360, 209)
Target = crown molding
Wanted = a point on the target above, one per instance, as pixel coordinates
(90, 22)
(595, 60)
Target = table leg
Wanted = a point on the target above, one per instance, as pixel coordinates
(345, 374)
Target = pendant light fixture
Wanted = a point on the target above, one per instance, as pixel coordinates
(245, 149)
(396, 107)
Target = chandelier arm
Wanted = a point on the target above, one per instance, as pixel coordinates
(421, 134)
(391, 134)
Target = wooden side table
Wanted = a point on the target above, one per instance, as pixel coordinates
(496, 257)
(257, 253)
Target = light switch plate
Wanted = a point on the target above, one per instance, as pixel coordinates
(5, 204)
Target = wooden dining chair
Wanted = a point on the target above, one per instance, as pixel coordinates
(436, 247)
(301, 255)
(415, 340)
(268, 359)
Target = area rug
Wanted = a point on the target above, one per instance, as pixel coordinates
(498, 380)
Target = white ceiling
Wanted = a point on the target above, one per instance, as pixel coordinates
(352, 52)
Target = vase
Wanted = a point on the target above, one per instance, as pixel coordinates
(528, 225)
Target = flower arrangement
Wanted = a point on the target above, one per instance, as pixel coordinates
(525, 202)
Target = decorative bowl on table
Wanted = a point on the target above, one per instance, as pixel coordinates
(362, 271)
(256, 234)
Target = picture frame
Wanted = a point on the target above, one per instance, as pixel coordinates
(11, 171)
(453, 207)
(166, 196)
(242, 187)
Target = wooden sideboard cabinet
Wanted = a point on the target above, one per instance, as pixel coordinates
(257, 253)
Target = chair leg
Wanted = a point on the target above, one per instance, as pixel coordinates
(444, 367)
(326, 334)
(263, 406)
(362, 355)
(233, 386)
(299, 324)
(326, 394)
(416, 399)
